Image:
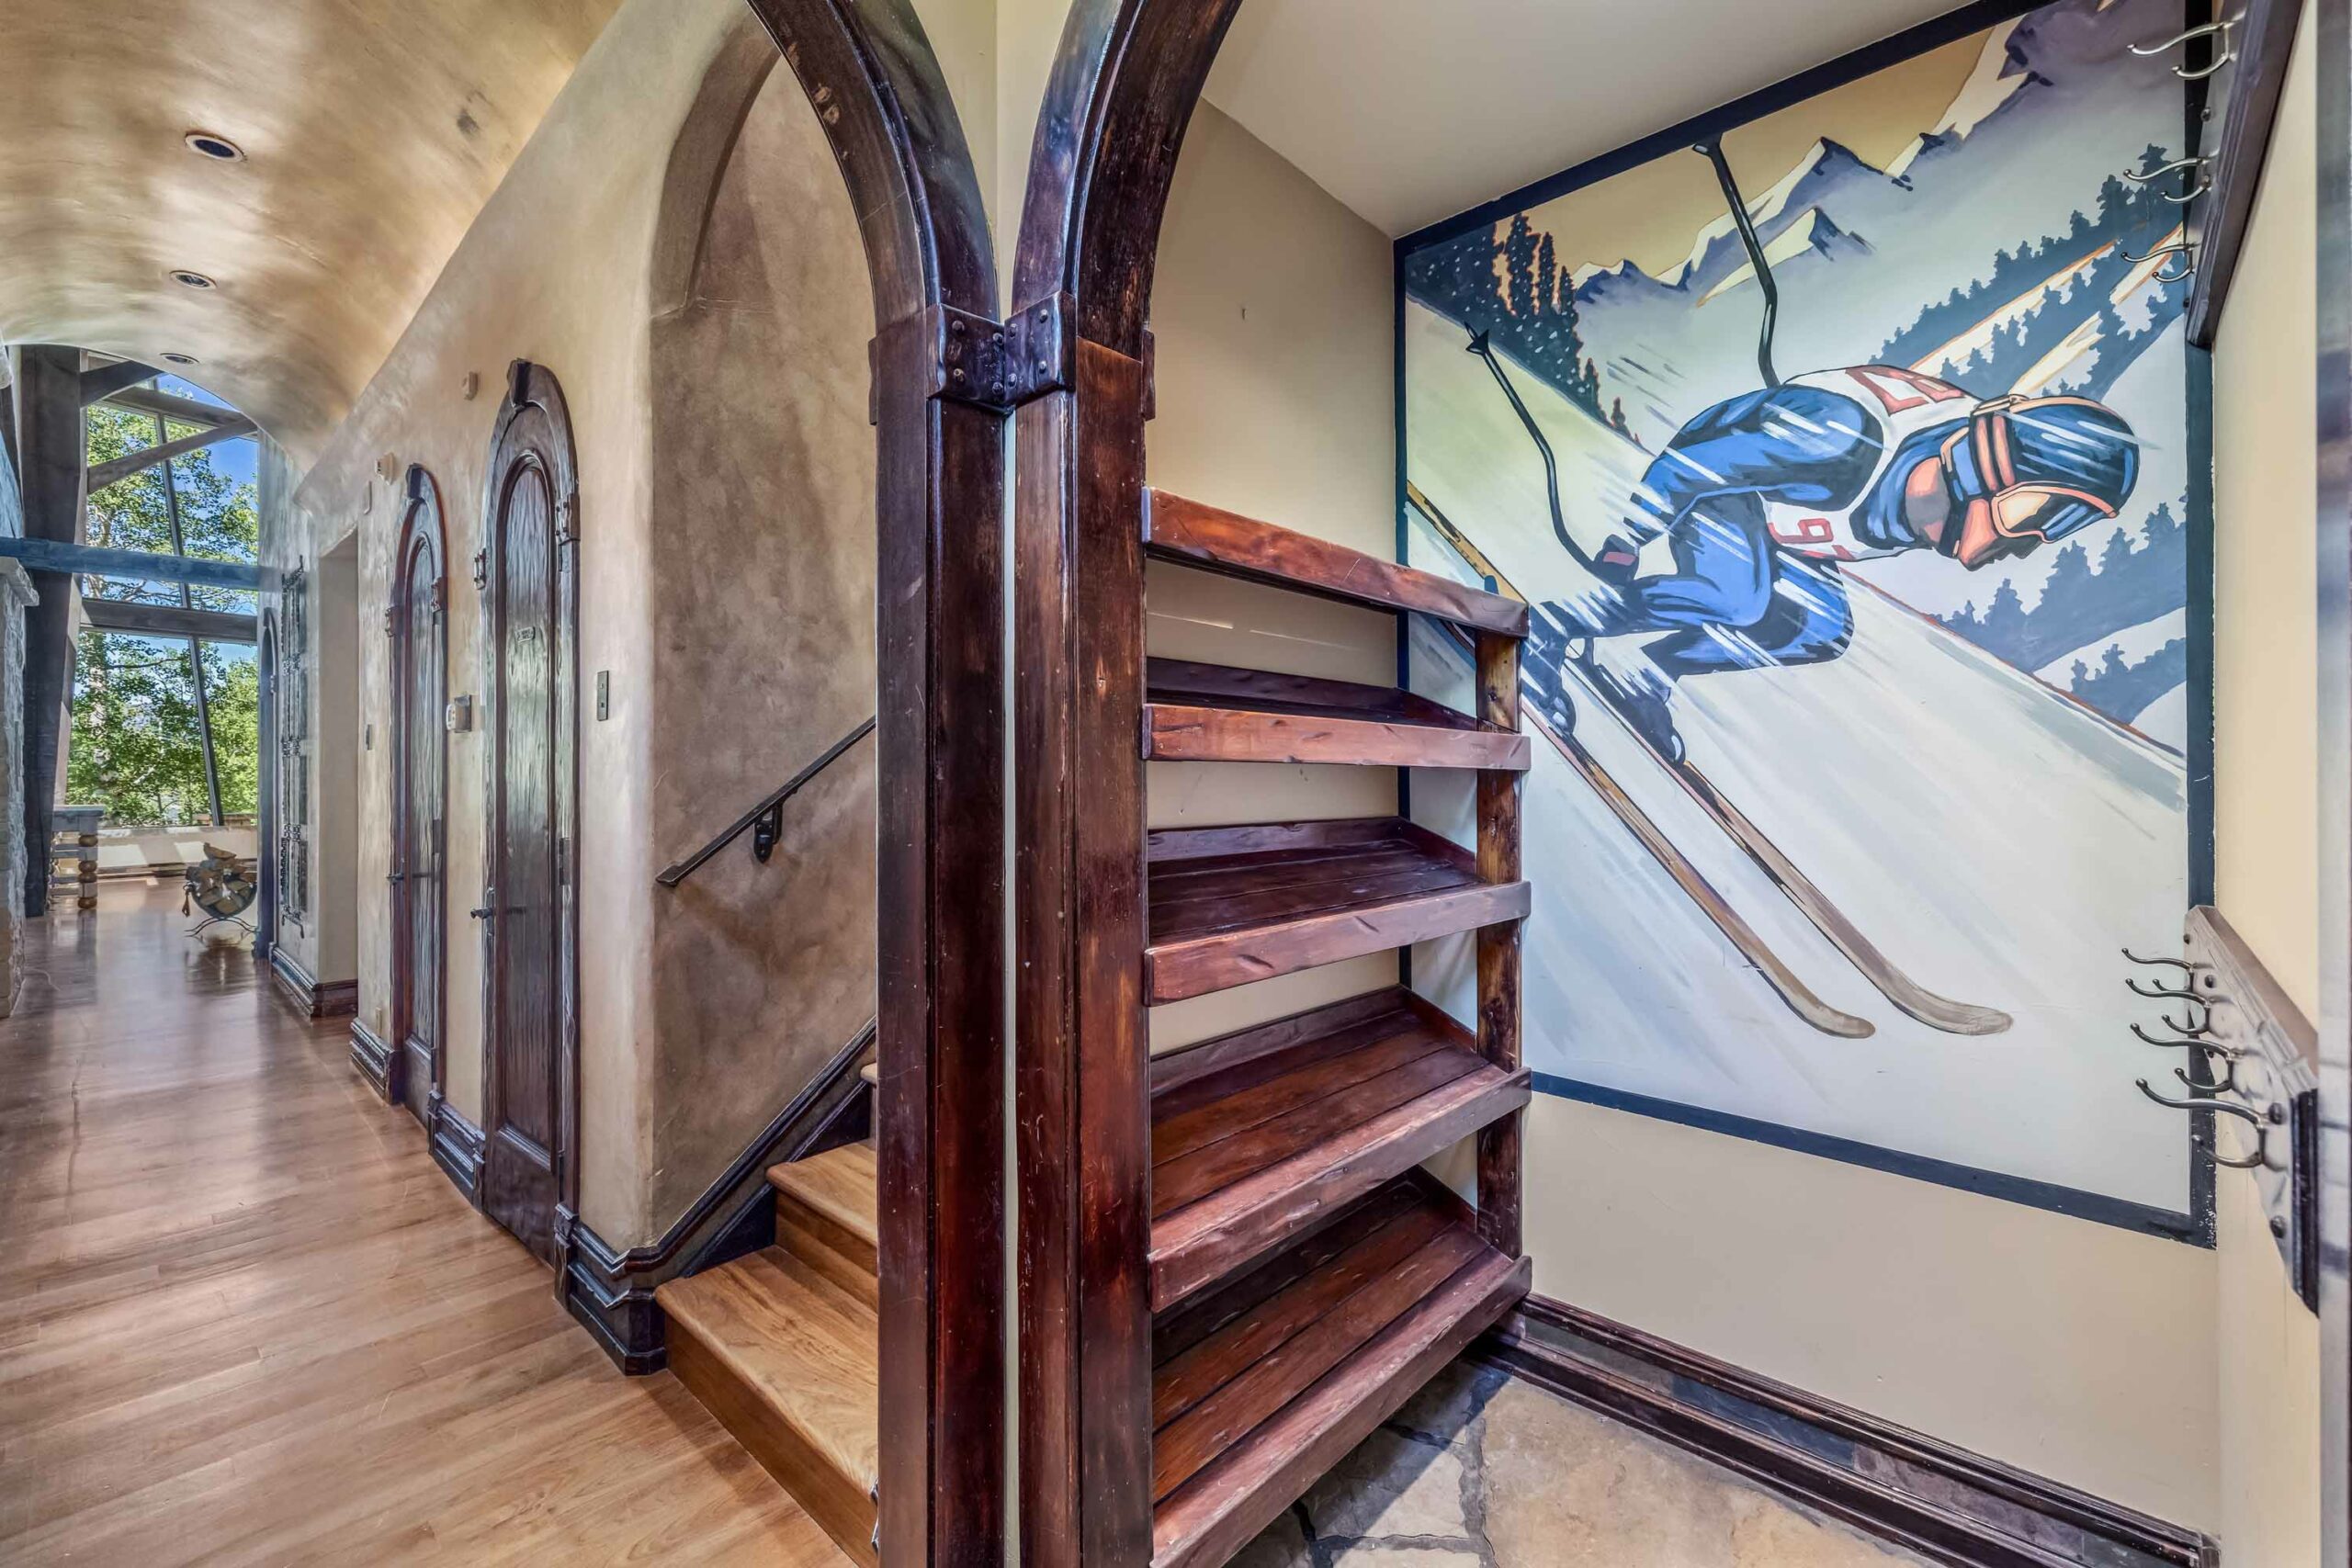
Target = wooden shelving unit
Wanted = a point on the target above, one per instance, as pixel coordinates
(1267, 1274)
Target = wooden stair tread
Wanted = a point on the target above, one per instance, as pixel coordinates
(1273, 1140)
(1260, 1388)
(840, 1184)
(1211, 713)
(788, 1363)
(1198, 535)
(1232, 905)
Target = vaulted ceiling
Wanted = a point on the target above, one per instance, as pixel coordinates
(1408, 111)
(372, 133)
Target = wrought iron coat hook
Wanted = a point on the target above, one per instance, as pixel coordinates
(2230, 1107)
(2208, 29)
(2204, 183)
(2227, 1084)
(2230, 1053)
(2138, 989)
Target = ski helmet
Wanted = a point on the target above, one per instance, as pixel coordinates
(2035, 469)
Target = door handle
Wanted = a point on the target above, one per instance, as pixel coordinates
(396, 877)
(485, 912)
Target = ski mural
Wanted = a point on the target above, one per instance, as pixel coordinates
(1843, 460)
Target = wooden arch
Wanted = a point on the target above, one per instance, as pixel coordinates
(1122, 90)
(939, 401)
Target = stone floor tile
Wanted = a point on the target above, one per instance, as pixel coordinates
(1392, 1486)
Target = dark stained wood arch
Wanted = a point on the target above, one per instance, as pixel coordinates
(1123, 89)
(529, 912)
(417, 618)
(875, 85)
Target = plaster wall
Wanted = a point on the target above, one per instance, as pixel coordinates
(556, 269)
(1271, 315)
(762, 647)
(2267, 768)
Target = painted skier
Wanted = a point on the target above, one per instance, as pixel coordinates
(1761, 497)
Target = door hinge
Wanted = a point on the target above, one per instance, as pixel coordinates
(1039, 349)
(481, 568)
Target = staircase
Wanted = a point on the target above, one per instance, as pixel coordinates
(781, 1345)
(1298, 1275)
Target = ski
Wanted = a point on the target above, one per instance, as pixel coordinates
(1712, 903)
(1936, 1011)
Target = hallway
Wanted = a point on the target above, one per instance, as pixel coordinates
(250, 1321)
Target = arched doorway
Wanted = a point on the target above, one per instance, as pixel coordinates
(530, 927)
(419, 642)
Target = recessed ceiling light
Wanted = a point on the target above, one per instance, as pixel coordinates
(188, 279)
(180, 359)
(204, 145)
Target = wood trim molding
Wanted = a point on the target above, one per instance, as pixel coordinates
(317, 998)
(372, 1054)
(610, 1290)
(457, 1146)
(1938, 1500)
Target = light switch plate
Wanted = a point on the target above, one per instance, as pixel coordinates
(459, 715)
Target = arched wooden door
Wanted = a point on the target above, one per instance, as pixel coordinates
(418, 622)
(530, 602)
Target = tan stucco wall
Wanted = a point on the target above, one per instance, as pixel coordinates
(2266, 829)
(556, 269)
(762, 651)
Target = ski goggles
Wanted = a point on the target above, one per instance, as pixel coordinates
(1983, 456)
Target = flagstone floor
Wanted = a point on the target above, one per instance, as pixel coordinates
(1481, 1471)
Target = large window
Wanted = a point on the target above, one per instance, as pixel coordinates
(165, 726)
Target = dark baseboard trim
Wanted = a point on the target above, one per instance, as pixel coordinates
(373, 1057)
(1943, 1502)
(331, 998)
(456, 1146)
(610, 1290)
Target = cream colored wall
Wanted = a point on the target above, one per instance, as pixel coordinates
(556, 270)
(2265, 771)
(1274, 358)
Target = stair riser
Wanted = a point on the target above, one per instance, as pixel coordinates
(836, 1502)
(839, 1254)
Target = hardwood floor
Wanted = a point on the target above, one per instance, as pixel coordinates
(247, 1319)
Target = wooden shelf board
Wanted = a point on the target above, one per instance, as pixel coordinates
(1327, 1106)
(1211, 713)
(1197, 534)
(1260, 1388)
(1232, 905)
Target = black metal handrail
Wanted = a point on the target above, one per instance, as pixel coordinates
(767, 815)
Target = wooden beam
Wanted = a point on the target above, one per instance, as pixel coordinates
(49, 446)
(179, 410)
(145, 566)
(108, 379)
(118, 469)
(167, 620)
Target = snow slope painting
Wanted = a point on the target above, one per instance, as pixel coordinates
(1861, 650)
